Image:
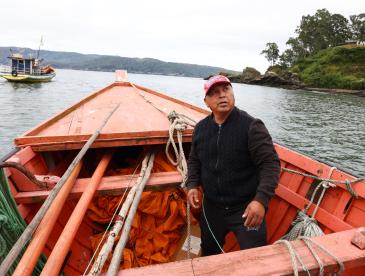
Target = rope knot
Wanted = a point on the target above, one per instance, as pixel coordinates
(350, 189)
(326, 184)
(172, 116)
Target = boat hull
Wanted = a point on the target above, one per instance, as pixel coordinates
(47, 156)
(29, 78)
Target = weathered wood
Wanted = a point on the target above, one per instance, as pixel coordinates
(312, 166)
(28, 232)
(266, 260)
(114, 232)
(322, 216)
(60, 250)
(35, 248)
(109, 185)
(115, 262)
(148, 138)
(60, 115)
(142, 123)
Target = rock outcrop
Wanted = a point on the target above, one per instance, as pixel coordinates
(275, 76)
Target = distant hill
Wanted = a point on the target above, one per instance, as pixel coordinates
(337, 67)
(77, 61)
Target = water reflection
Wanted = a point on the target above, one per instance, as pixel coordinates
(25, 86)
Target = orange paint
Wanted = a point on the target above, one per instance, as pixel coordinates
(34, 250)
(60, 250)
(144, 125)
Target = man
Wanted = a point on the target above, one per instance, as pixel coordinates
(233, 160)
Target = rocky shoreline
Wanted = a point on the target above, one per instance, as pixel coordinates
(272, 78)
(276, 77)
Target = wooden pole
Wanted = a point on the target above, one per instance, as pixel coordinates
(59, 251)
(28, 232)
(34, 250)
(108, 245)
(115, 263)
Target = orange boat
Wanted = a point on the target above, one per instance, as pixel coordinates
(95, 149)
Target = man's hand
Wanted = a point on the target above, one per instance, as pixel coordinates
(254, 214)
(193, 197)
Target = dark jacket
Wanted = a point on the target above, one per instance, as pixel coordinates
(234, 162)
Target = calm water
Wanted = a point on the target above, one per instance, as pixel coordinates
(330, 127)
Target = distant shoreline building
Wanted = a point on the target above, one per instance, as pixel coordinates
(354, 42)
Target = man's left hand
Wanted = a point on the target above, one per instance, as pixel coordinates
(254, 214)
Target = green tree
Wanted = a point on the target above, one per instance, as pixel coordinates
(339, 30)
(287, 58)
(323, 30)
(271, 52)
(313, 31)
(358, 26)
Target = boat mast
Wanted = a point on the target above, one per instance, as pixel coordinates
(40, 44)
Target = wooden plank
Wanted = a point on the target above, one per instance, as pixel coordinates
(266, 260)
(110, 185)
(196, 108)
(60, 115)
(324, 217)
(106, 140)
(317, 168)
(279, 212)
(341, 204)
(69, 145)
(23, 156)
(140, 117)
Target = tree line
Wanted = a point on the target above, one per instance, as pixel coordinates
(316, 32)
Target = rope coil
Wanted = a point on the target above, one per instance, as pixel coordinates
(178, 123)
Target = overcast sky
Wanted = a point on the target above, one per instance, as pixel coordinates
(226, 33)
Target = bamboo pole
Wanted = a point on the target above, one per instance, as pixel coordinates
(59, 251)
(34, 250)
(115, 263)
(108, 245)
(28, 232)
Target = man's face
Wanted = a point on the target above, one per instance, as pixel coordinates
(220, 98)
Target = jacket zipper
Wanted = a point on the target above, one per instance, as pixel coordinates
(219, 133)
(216, 164)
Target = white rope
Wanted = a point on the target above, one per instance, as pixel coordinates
(118, 251)
(178, 123)
(307, 241)
(111, 221)
(303, 225)
(188, 229)
(347, 182)
(294, 256)
(119, 223)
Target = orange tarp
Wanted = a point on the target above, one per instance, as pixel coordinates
(156, 230)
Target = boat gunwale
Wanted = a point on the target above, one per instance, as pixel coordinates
(30, 137)
(320, 169)
(104, 140)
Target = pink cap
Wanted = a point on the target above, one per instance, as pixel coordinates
(215, 80)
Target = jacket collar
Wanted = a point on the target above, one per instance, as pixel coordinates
(230, 117)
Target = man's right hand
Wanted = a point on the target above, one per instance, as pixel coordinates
(193, 197)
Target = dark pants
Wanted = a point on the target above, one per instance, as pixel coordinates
(223, 219)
